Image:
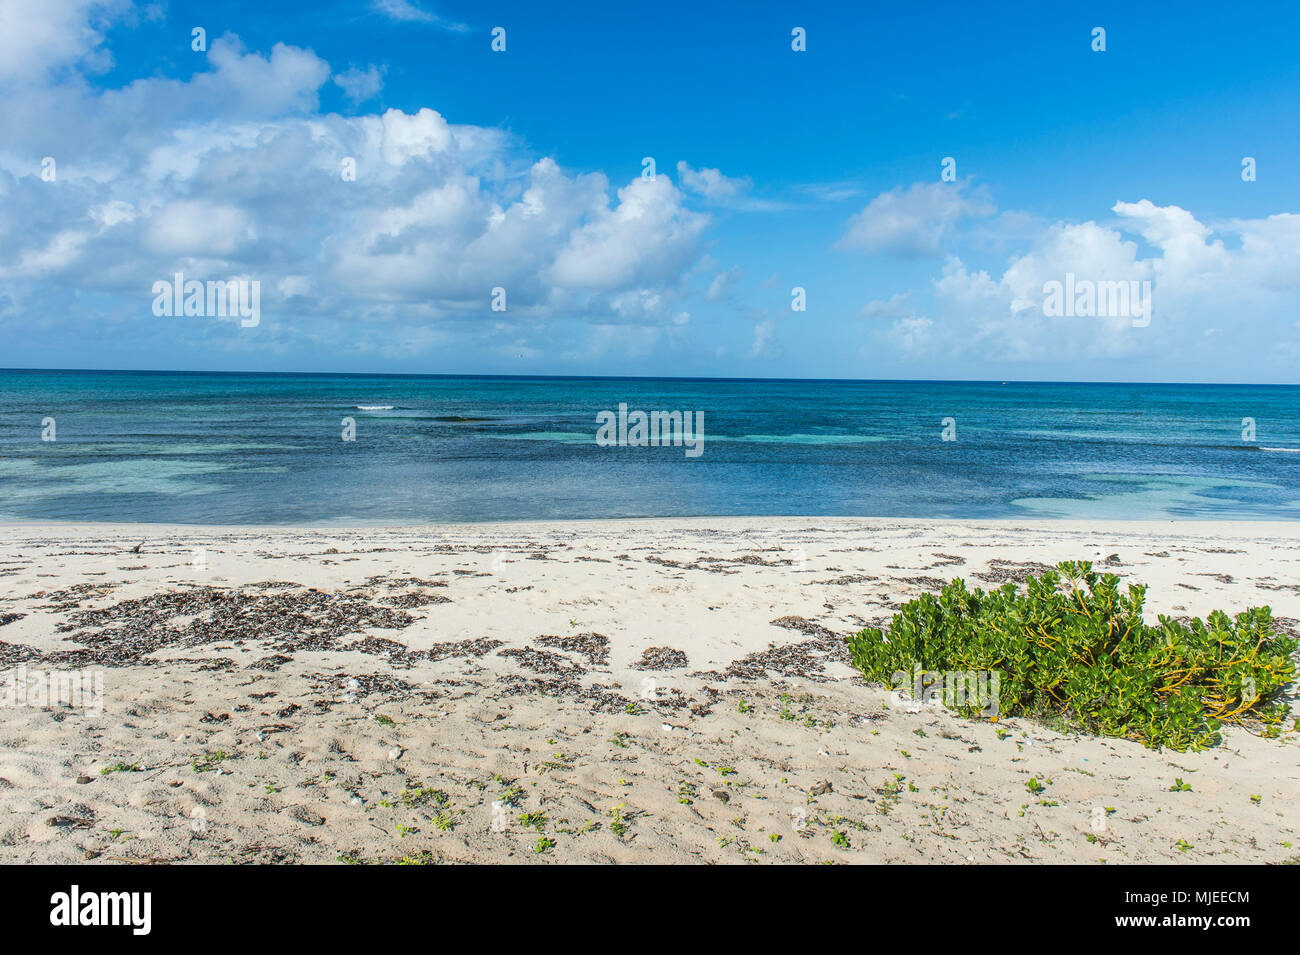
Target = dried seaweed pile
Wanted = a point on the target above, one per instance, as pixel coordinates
(594, 646)
(544, 661)
(287, 619)
(661, 658)
(720, 565)
(1010, 571)
(806, 659)
(602, 698)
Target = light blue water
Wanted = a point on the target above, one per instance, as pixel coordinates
(224, 449)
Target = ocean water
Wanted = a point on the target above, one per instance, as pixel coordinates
(268, 449)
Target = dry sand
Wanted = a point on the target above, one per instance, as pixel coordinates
(605, 691)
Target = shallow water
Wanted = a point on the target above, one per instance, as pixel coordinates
(228, 449)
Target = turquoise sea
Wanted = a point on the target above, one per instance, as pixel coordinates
(269, 449)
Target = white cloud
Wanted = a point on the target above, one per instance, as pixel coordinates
(235, 172)
(913, 221)
(912, 335)
(722, 283)
(285, 82)
(360, 85)
(113, 212)
(68, 118)
(36, 39)
(1087, 250)
(647, 236)
(198, 228)
(711, 183)
(830, 191)
(732, 192)
(1272, 246)
(762, 336)
(58, 254)
(896, 306)
(956, 284)
(295, 285)
(417, 136)
(1198, 282)
(406, 11)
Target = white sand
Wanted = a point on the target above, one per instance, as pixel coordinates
(309, 773)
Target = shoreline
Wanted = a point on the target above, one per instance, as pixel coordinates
(1136, 525)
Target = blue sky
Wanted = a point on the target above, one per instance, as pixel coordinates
(775, 169)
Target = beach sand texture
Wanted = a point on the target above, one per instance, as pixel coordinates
(665, 691)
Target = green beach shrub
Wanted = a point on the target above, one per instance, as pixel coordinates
(1072, 648)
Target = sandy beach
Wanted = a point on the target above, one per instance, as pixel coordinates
(664, 691)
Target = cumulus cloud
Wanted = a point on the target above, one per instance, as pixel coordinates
(1240, 273)
(957, 284)
(913, 221)
(647, 234)
(1087, 250)
(1272, 246)
(198, 227)
(399, 218)
(36, 40)
(417, 136)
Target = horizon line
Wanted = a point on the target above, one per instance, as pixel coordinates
(575, 377)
